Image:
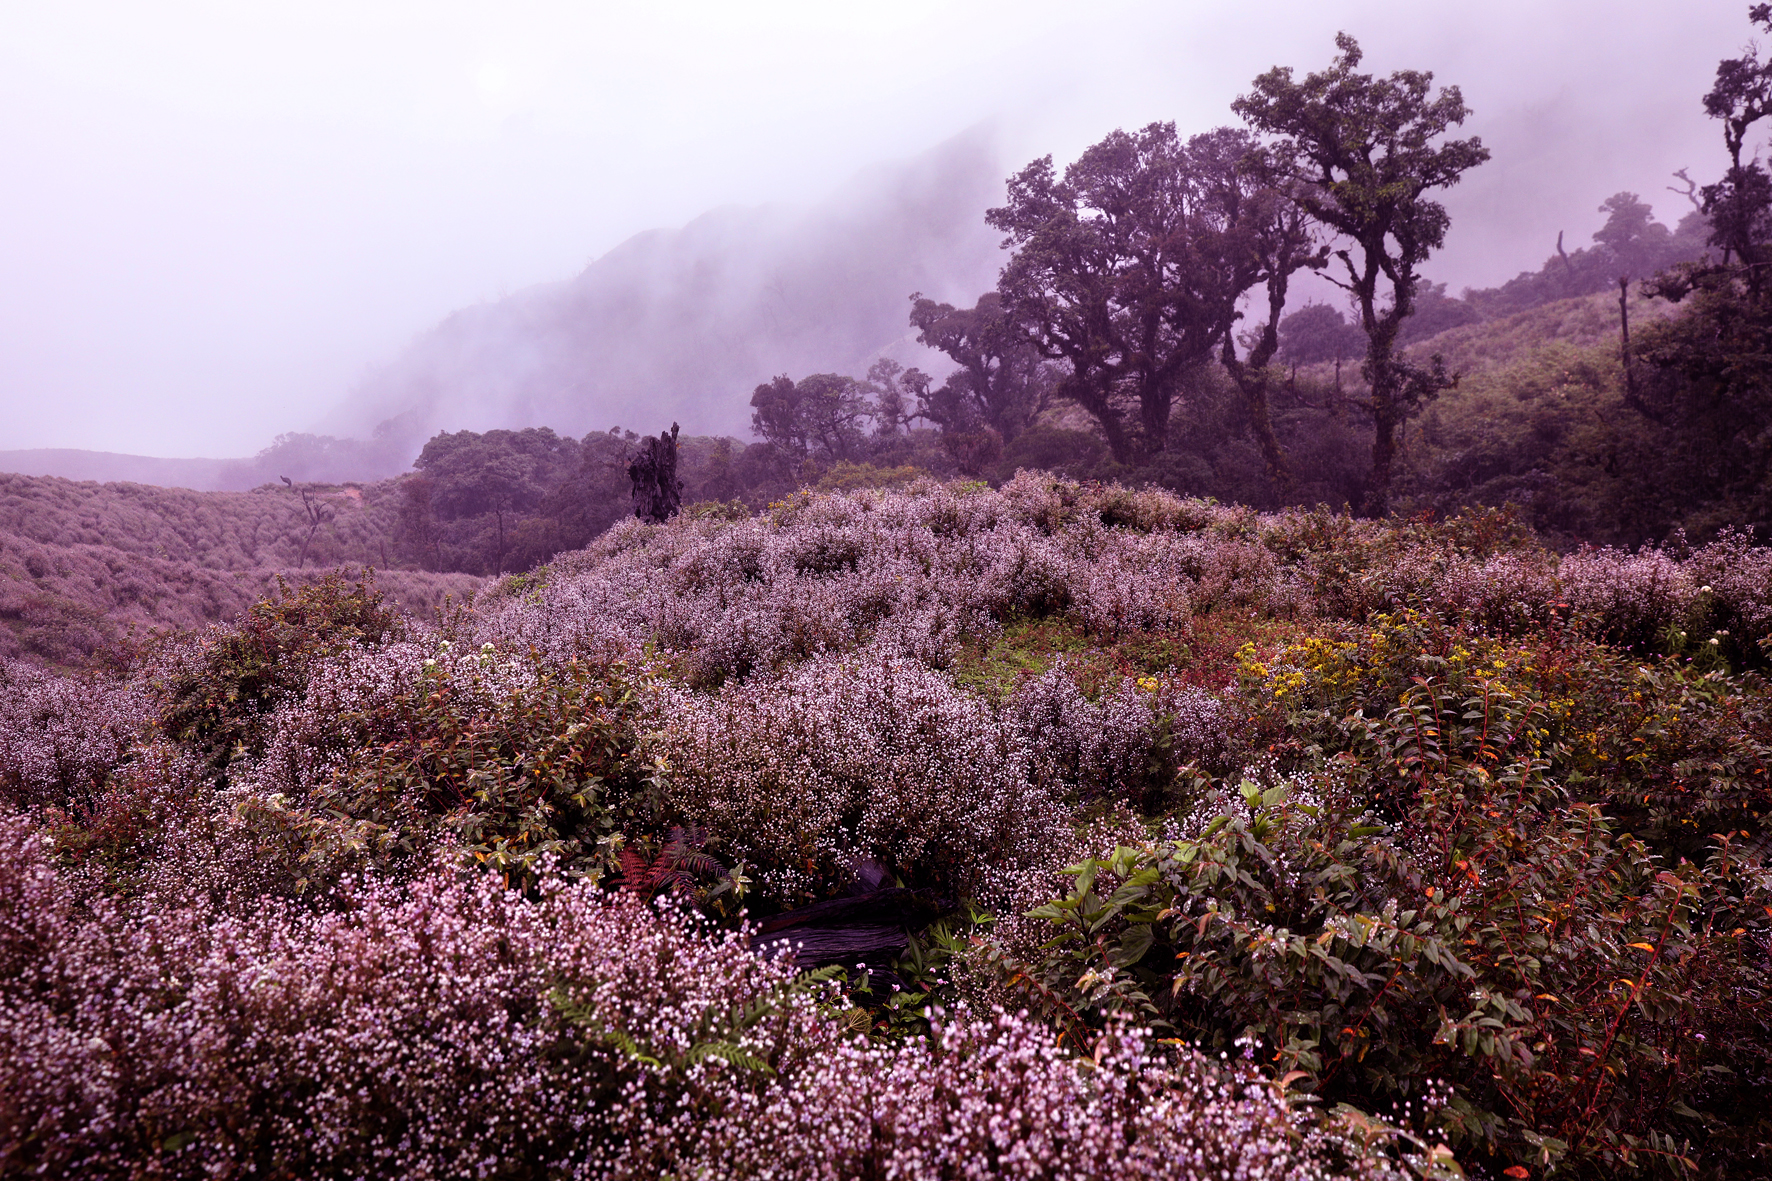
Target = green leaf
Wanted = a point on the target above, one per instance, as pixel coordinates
(1135, 941)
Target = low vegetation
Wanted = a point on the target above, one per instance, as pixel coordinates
(89, 571)
(896, 809)
(1291, 844)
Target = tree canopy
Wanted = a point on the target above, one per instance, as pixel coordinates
(822, 414)
(1128, 269)
(1364, 153)
(1319, 332)
(1001, 382)
(1711, 369)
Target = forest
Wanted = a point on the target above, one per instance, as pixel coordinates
(1200, 735)
(1536, 411)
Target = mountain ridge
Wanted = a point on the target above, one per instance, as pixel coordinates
(108, 467)
(679, 324)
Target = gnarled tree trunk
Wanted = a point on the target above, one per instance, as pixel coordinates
(658, 493)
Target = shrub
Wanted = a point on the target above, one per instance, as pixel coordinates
(61, 737)
(218, 695)
(864, 756)
(1629, 599)
(1590, 1002)
(1129, 745)
(1677, 752)
(413, 1031)
(927, 570)
(449, 1026)
(393, 754)
(991, 1096)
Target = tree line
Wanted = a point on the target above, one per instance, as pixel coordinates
(1146, 328)
(1152, 256)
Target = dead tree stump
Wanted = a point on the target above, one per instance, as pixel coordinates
(658, 493)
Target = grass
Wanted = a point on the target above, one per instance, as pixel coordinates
(1023, 649)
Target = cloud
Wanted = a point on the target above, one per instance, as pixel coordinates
(683, 324)
(220, 218)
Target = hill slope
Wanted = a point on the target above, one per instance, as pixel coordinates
(80, 563)
(681, 324)
(73, 464)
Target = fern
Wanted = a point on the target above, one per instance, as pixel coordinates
(680, 868)
(727, 1052)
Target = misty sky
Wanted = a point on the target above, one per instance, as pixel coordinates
(216, 216)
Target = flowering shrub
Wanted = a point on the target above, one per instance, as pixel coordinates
(61, 737)
(412, 1032)
(451, 1026)
(1129, 744)
(219, 691)
(1436, 893)
(1681, 756)
(847, 757)
(992, 1096)
(1736, 586)
(1628, 598)
(922, 571)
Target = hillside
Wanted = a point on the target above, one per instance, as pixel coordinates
(681, 324)
(111, 467)
(1102, 828)
(81, 563)
(1584, 322)
(1542, 419)
(217, 530)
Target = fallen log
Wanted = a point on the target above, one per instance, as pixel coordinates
(813, 946)
(872, 928)
(897, 906)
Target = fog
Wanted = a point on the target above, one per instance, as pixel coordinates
(222, 221)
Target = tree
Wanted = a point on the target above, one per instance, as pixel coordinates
(1628, 244)
(718, 478)
(1002, 381)
(418, 523)
(1276, 230)
(1710, 385)
(588, 499)
(1435, 312)
(501, 474)
(896, 392)
(1632, 241)
(1318, 332)
(776, 416)
(821, 416)
(834, 409)
(1363, 152)
(1128, 269)
(1740, 205)
(316, 514)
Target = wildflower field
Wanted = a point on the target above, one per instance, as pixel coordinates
(1057, 830)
